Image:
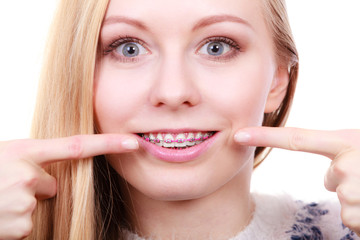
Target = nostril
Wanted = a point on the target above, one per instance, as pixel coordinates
(188, 103)
(174, 103)
(174, 94)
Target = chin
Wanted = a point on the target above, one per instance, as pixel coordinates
(176, 191)
(153, 178)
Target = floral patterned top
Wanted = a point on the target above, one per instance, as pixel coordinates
(282, 218)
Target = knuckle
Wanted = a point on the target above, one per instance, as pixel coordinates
(342, 194)
(27, 206)
(329, 185)
(349, 219)
(339, 169)
(76, 147)
(25, 228)
(296, 139)
(29, 179)
(347, 195)
(345, 217)
(19, 229)
(31, 204)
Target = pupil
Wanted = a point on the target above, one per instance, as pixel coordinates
(131, 50)
(215, 49)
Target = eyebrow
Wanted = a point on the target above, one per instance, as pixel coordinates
(206, 21)
(218, 19)
(121, 19)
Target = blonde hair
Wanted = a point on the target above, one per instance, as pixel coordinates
(64, 108)
(287, 56)
(88, 204)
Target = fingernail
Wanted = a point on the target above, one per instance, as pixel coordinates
(242, 137)
(130, 144)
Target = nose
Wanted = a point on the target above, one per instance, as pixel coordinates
(173, 85)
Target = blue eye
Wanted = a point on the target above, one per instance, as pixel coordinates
(215, 48)
(130, 49)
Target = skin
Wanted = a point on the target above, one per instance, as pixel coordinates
(24, 182)
(342, 147)
(176, 84)
(172, 86)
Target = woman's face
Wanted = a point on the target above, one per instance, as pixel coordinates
(172, 70)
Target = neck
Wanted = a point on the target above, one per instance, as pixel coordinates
(220, 215)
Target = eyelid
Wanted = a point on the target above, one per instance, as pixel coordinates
(111, 47)
(233, 52)
(226, 40)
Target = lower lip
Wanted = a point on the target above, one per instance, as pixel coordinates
(174, 155)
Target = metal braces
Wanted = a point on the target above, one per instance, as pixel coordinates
(156, 140)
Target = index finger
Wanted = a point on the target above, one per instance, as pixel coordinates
(325, 143)
(46, 151)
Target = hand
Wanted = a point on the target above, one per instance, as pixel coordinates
(342, 147)
(23, 180)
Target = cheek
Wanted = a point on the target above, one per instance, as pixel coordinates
(239, 93)
(117, 96)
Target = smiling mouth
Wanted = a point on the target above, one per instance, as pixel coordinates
(177, 141)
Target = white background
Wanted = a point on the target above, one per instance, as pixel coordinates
(328, 39)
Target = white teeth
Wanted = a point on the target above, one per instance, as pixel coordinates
(180, 140)
(169, 141)
(206, 136)
(191, 137)
(199, 137)
(159, 140)
(152, 137)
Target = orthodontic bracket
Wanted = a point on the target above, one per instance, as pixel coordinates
(156, 140)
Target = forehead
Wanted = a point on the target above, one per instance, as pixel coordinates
(186, 13)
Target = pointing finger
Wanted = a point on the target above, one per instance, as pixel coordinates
(325, 143)
(47, 151)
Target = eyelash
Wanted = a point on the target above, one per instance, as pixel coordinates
(234, 48)
(122, 40)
